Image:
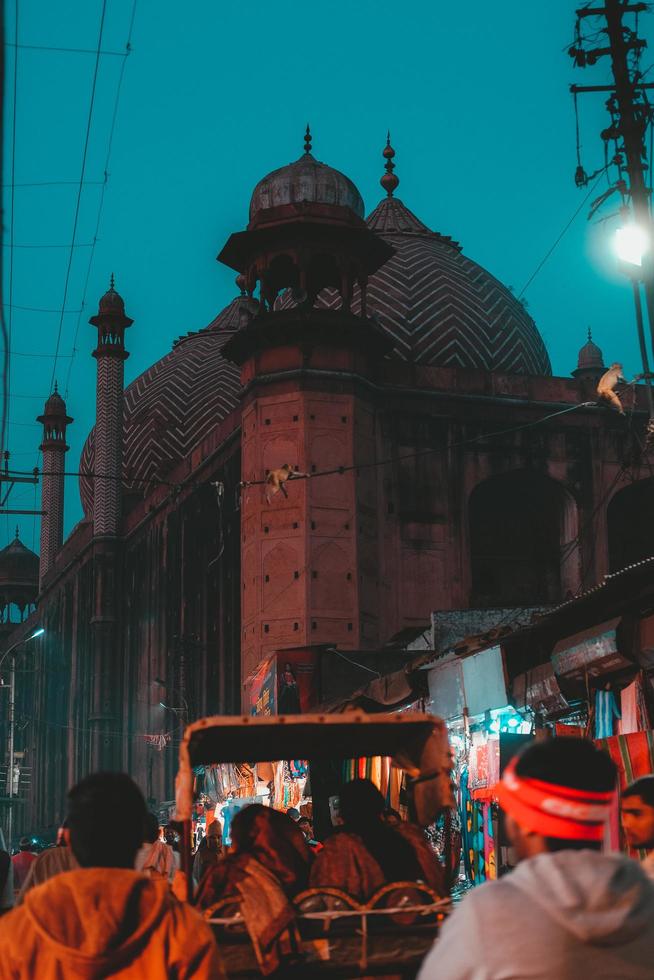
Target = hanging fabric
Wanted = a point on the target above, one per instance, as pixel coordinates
(606, 711)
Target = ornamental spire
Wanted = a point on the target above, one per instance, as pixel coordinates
(307, 140)
(389, 181)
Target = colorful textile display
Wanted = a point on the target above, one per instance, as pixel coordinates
(633, 704)
(606, 711)
(634, 757)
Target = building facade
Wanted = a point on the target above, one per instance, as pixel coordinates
(436, 465)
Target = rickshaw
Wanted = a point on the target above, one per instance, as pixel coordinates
(335, 935)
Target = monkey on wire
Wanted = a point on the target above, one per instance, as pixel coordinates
(277, 478)
(608, 382)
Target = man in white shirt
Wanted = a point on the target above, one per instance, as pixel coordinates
(637, 810)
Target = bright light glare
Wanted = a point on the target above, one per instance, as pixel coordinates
(36, 633)
(631, 243)
(163, 705)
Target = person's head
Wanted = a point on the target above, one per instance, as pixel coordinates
(275, 841)
(150, 828)
(637, 810)
(293, 813)
(214, 836)
(391, 817)
(556, 796)
(24, 844)
(361, 804)
(106, 818)
(61, 834)
(170, 835)
(305, 826)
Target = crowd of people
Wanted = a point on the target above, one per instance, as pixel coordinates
(110, 899)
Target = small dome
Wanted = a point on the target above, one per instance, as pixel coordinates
(590, 356)
(112, 302)
(19, 574)
(55, 404)
(306, 180)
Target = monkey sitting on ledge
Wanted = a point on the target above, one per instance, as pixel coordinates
(607, 383)
(277, 478)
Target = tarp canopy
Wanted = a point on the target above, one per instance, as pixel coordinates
(416, 742)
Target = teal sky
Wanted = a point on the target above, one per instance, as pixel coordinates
(215, 95)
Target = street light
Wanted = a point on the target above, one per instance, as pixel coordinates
(178, 711)
(631, 243)
(12, 710)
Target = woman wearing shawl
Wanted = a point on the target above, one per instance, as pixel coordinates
(267, 865)
(369, 852)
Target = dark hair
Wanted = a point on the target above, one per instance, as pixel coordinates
(275, 841)
(106, 818)
(362, 807)
(643, 787)
(573, 762)
(150, 828)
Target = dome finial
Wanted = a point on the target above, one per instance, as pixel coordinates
(590, 335)
(307, 140)
(389, 181)
(111, 281)
(56, 387)
(17, 532)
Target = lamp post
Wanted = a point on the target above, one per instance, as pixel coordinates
(176, 710)
(11, 721)
(632, 246)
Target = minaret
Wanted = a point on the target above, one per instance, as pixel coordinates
(54, 449)
(110, 354)
(107, 652)
(590, 363)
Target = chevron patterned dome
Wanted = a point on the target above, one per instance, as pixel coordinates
(173, 405)
(440, 307)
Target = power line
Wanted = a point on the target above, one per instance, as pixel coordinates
(338, 469)
(36, 309)
(39, 245)
(51, 183)
(560, 237)
(80, 188)
(428, 452)
(112, 129)
(20, 353)
(51, 47)
(6, 396)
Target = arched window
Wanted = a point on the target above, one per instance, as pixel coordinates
(630, 518)
(523, 528)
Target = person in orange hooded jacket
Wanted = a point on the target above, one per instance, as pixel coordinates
(104, 919)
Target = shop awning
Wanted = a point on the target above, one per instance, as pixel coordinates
(539, 690)
(416, 742)
(591, 652)
(476, 683)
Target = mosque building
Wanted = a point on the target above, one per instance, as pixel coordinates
(436, 465)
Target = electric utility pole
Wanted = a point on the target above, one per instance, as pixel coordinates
(630, 112)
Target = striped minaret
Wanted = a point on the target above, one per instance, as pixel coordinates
(54, 448)
(110, 354)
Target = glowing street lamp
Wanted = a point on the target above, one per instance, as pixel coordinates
(631, 244)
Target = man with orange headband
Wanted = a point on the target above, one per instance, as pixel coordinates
(568, 910)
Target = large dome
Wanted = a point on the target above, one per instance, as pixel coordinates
(306, 180)
(174, 404)
(440, 307)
